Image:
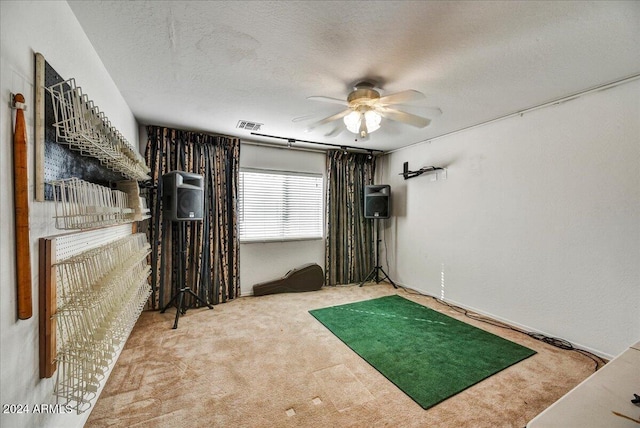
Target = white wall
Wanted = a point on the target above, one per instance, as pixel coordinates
(536, 223)
(260, 262)
(49, 28)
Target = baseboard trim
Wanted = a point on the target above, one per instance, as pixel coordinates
(508, 321)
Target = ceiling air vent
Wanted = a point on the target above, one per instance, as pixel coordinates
(250, 126)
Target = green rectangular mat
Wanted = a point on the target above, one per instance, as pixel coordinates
(428, 355)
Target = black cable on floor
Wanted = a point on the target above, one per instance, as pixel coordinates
(553, 341)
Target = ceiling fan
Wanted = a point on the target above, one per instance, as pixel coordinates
(366, 108)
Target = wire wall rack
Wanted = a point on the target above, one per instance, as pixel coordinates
(100, 295)
(81, 125)
(83, 205)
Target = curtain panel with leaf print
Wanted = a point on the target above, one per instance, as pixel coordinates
(349, 235)
(212, 245)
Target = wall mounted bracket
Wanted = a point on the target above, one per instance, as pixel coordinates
(16, 104)
(410, 174)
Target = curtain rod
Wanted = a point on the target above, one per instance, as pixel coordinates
(280, 146)
(528, 110)
(340, 146)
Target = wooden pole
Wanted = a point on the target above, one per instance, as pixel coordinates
(21, 201)
(47, 307)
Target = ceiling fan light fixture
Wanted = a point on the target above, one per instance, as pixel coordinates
(372, 119)
(353, 121)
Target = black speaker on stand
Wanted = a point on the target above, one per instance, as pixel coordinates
(377, 205)
(182, 201)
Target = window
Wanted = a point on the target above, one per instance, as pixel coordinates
(279, 206)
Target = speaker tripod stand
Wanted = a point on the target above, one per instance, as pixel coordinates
(375, 272)
(181, 307)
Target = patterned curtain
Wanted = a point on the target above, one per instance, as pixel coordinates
(212, 245)
(349, 244)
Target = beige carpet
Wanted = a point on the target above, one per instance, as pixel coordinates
(265, 362)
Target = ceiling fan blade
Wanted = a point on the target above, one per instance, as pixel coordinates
(431, 111)
(404, 117)
(328, 100)
(336, 131)
(329, 119)
(401, 97)
(304, 118)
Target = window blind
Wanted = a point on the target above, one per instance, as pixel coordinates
(279, 206)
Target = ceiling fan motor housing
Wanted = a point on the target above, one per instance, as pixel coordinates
(363, 96)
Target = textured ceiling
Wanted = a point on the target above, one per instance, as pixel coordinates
(205, 65)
